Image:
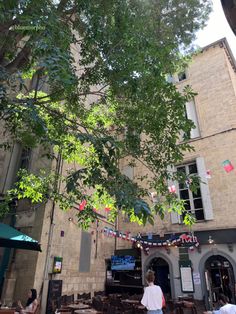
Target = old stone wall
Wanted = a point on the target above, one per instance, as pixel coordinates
(211, 75)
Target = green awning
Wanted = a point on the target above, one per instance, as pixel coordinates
(12, 238)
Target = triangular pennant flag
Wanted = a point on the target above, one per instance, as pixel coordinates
(172, 189)
(82, 205)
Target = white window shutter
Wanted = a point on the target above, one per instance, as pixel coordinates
(175, 217)
(192, 115)
(207, 205)
(128, 171)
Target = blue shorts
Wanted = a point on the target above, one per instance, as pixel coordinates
(154, 312)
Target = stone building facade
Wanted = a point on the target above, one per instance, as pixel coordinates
(83, 253)
(213, 263)
(212, 75)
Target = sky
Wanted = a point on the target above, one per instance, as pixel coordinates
(217, 28)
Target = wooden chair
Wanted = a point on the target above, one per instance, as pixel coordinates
(70, 299)
(96, 293)
(190, 305)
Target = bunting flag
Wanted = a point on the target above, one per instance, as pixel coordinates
(190, 240)
(172, 189)
(208, 174)
(154, 197)
(188, 182)
(227, 165)
(82, 205)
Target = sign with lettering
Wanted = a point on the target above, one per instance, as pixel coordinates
(189, 239)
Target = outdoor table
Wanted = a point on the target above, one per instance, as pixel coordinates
(131, 301)
(79, 301)
(79, 306)
(88, 311)
(7, 310)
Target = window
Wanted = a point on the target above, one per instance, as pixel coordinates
(193, 201)
(198, 203)
(25, 158)
(191, 114)
(182, 76)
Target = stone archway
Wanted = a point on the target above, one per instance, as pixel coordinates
(205, 272)
(164, 261)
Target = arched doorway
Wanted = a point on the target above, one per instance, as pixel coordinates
(162, 273)
(219, 276)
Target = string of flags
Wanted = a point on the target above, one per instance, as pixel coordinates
(174, 240)
(227, 165)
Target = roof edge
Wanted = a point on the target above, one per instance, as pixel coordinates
(223, 43)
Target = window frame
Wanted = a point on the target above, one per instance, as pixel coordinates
(191, 198)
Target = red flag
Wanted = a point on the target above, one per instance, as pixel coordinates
(227, 165)
(172, 189)
(82, 205)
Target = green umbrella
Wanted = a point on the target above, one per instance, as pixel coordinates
(12, 238)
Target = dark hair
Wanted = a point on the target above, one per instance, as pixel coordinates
(223, 298)
(34, 296)
(150, 276)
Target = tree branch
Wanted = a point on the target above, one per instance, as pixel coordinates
(5, 26)
(21, 59)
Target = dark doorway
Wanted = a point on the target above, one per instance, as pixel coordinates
(162, 274)
(219, 279)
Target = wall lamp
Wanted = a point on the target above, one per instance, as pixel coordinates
(210, 240)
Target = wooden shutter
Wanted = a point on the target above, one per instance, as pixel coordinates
(192, 115)
(175, 217)
(206, 200)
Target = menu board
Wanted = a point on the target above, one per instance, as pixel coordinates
(186, 279)
(54, 293)
(186, 276)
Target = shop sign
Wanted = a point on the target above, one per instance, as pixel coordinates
(186, 238)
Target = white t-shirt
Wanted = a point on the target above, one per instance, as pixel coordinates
(228, 309)
(152, 298)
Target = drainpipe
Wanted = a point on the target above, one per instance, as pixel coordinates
(44, 288)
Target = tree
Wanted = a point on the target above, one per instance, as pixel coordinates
(55, 56)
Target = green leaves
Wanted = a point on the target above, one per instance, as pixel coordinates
(30, 186)
(89, 83)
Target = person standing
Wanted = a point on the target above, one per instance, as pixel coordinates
(153, 296)
(226, 307)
